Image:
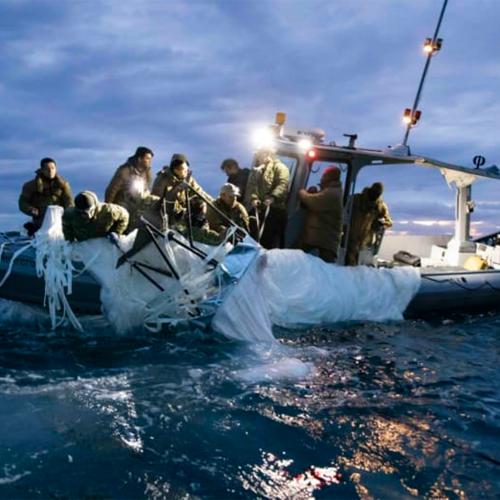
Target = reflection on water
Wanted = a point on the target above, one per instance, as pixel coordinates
(112, 396)
(401, 410)
(273, 479)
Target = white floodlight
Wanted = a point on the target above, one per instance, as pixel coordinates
(304, 144)
(263, 138)
(138, 186)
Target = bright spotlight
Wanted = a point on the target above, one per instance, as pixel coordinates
(428, 46)
(263, 138)
(304, 144)
(138, 186)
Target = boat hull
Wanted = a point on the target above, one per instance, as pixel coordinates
(464, 291)
(23, 285)
(440, 292)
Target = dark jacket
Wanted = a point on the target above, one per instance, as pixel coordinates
(121, 190)
(237, 213)
(164, 187)
(240, 179)
(270, 179)
(323, 223)
(40, 192)
(107, 219)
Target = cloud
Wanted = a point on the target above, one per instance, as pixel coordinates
(87, 85)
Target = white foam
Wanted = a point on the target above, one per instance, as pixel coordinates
(282, 369)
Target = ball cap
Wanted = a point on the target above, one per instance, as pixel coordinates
(230, 189)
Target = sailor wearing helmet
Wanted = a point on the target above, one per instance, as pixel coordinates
(91, 219)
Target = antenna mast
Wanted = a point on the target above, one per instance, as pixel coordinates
(431, 47)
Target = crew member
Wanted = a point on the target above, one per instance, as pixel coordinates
(266, 195)
(236, 175)
(47, 188)
(200, 227)
(370, 217)
(91, 219)
(170, 186)
(228, 204)
(323, 224)
(130, 185)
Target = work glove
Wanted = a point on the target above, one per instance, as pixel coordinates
(268, 200)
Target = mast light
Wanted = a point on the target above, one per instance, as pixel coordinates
(411, 118)
(432, 46)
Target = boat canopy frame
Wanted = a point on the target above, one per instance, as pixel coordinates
(357, 159)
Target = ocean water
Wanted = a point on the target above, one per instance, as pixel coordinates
(362, 410)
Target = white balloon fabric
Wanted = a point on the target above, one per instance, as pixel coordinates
(293, 289)
(288, 288)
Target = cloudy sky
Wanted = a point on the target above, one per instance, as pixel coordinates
(86, 81)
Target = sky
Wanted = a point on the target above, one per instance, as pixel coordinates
(87, 81)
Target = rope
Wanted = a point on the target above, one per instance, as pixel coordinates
(453, 281)
(2, 246)
(87, 265)
(12, 260)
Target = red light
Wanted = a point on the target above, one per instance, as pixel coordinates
(311, 153)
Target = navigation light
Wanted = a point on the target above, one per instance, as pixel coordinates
(280, 118)
(410, 118)
(311, 154)
(430, 46)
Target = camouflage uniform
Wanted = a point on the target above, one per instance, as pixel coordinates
(165, 183)
(121, 190)
(41, 192)
(237, 213)
(201, 232)
(367, 218)
(108, 218)
(382, 219)
(270, 179)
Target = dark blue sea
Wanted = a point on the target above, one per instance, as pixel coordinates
(399, 410)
